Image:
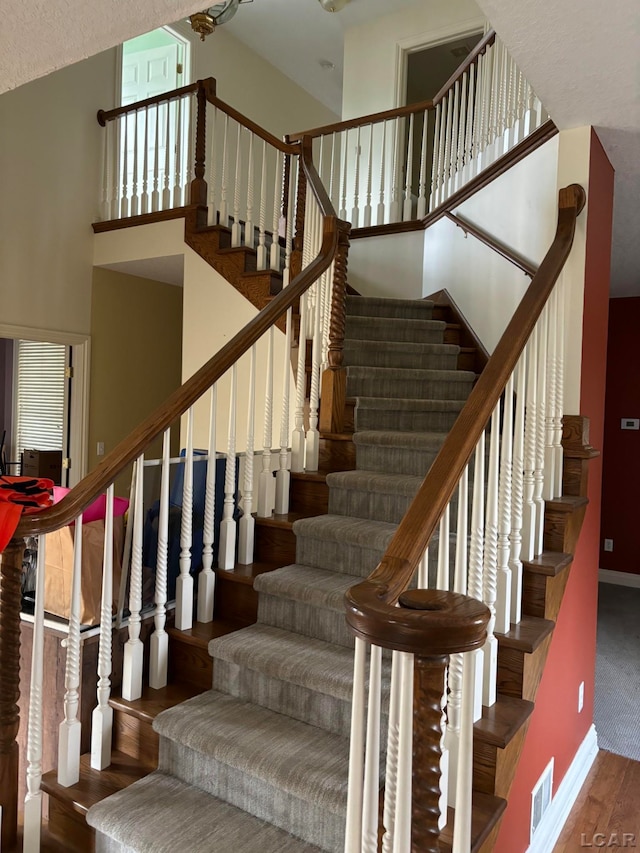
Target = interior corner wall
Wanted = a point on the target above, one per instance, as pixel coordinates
(621, 451)
(387, 265)
(370, 79)
(556, 728)
(50, 159)
(136, 343)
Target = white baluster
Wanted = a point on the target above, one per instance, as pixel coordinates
(124, 198)
(394, 212)
(70, 728)
(335, 172)
(559, 401)
(190, 107)
(530, 432)
(207, 577)
(261, 258)
(265, 480)
(298, 436)
(227, 547)
(517, 492)
(33, 798)
(166, 191)
(380, 216)
(422, 187)
(155, 193)
(423, 570)
(548, 486)
(102, 717)
(489, 567)
(462, 526)
(134, 189)
(371, 793)
(503, 590)
(478, 111)
(114, 207)
(105, 207)
(444, 189)
(367, 207)
(184, 581)
(443, 800)
(355, 211)
(442, 581)
(312, 449)
(159, 644)
(468, 142)
(464, 770)
(345, 167)
(249, 237)
(538, 474)
(277, 194)
(435, 175)
(391, 773)
(224, 178)
(402, 834)
(407, 209)
(476, 552)
(177, 175)
(454, 141)
(247, 521)
(462, 132)
(283, 477)
(353, 831)
(133, 650)
(145, 164)
(236, 228)
(213, 176)
(288, 242)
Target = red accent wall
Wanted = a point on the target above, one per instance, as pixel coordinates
(556, 728)
(621, 453)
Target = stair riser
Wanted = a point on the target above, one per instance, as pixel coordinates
(274, 545)
(385, 419)
(337, 556)
(430, 389)
(327, 712)
(376, 506)
(371, 329)
(308, 821)
(308, 497)
(136, 738)
(305, 619)
(359, 306)
(382, 356)
(393, 460)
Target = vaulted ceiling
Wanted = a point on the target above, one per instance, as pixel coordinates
(581, 57)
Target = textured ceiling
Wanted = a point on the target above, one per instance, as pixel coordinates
(581, 57)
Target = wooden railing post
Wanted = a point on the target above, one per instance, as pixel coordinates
(301, 203)
(334, 379)
(10, 571)
(198, 194)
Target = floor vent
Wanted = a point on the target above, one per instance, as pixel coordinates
(541, 797)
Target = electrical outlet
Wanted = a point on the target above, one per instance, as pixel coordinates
(630, 423)
(100, 448)
(608, 544)
(581, 696)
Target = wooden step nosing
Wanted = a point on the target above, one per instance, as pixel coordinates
(558, 561)
(545, 627)
(485, 735)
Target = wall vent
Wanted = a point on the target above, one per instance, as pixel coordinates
(541, 797)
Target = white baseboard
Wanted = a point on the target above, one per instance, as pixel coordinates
(619, 578)
(554, 819)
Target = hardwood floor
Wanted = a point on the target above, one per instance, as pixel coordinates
(606, 815)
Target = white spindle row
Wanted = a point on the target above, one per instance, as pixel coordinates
(148, 158)
(479, 549)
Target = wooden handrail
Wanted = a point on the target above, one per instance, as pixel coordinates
(108, 115)
(180, 401)
(498, 247)
(469, 60)
(371, 610)
(252, 126)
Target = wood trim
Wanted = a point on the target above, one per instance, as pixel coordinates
(286, 147)
(104, 116)
(469, 60)
(360, 121)
(371, 606)
(468, 336)
(539, 136)
(504, 251)
(179, 402)
(142, 219)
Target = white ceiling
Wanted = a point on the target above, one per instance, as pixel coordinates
(581, 57)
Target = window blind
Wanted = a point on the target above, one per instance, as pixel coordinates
(40, 395)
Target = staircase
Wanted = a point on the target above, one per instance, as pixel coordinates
(262, 757)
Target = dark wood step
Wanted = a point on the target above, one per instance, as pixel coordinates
(244, 258)
(189, 659)
(562, 522)
(309, 493)
(275, 540)
(498, 738)
(485, 816)
(337, 452)
(269, 280)
(522, 653)
(543, 583)
(236, 600)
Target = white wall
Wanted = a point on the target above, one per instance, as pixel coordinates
(520, 210)
(371, 51)
(390, 265)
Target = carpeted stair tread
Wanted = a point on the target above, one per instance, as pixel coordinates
(380, 306)
(404, 382)
(400, 354)
(307, 662)
(406, 414)
(346, 531)
(341, 543)
(162, 814)
(409, 404)
(394, 329)
(375, 481)
(307, 585)
(298, 759)
(390, 438)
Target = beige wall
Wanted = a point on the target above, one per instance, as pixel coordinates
(136, 341)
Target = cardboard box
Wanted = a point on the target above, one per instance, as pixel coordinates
(42, 463)
(59, 569)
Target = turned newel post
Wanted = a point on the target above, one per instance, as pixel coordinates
(10, 596)
(198, 184)
(334, 379)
